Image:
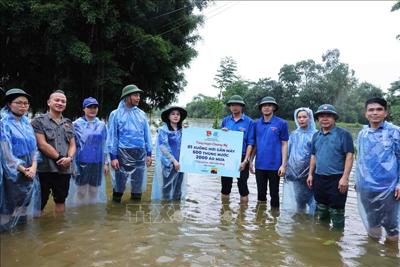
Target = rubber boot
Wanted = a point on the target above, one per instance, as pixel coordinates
(322, 213)
(117, 197)
(337, 216)
(136, 196)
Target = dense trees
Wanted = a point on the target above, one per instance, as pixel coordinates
(305, 83)
(87, 47)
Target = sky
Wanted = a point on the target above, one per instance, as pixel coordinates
(262, 36)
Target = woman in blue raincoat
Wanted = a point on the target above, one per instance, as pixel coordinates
(297, 197)
(168, 182)
(88, 184)
(129, 145)
(378, 172)
(20, 185)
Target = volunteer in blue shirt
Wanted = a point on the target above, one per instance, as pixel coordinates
(88, 183)
(238, 121)
(331, 161)
(129, 145)
(270, 150)
(378, 171)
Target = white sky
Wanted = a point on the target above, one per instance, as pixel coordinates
(262, 36)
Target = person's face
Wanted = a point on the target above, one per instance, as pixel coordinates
(326, 120)
(91, 111)
(57, 102)
(375, 113)
(134, 99)
(174, 116)
(235, 108)
(267, 109)
(19, 106)
(302, 119)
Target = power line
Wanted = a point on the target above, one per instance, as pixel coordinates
(221, 11)
(182, 21)
(220, 8)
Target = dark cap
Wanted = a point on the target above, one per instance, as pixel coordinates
(90, 101)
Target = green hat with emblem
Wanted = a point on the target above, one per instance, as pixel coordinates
(268, 100)
(130, 89)
(327, 109)
(236, 99)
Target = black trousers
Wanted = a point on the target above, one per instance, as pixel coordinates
(226, 182)
(262, 178)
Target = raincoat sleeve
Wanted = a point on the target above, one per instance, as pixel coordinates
(165, 150)
(112, 143)
(147, 138)
(106, 153)
(10, 162)
(397, 153)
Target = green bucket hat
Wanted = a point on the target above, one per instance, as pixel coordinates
(130, 89)
(326, 108)
(268, 100)
(235, 99)
(14, 93)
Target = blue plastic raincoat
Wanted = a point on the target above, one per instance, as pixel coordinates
(377, 177)
(20, 196)
(168, 184)
(129, 141)
(88, 183)
(297, 197)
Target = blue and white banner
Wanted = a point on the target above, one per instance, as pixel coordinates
(211, 152)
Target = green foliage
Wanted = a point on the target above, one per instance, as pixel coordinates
(395, 7)
(226, 75)
(393, 97)
(201, 106)
(306, 84)
(94, 48)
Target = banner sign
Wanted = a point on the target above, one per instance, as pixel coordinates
(211, 152)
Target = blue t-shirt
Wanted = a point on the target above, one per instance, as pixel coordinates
(268, 138)
(330, 150)
(90, 140)
(245, 125)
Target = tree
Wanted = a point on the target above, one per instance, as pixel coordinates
(200, 106)
(226, 75)
(394, 8)
(393, 97)
(94, 48)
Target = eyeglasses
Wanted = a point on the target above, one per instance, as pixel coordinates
(20, 103)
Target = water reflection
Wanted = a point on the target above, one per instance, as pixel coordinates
(202, 231)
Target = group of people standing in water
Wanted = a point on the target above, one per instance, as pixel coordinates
(70, 160)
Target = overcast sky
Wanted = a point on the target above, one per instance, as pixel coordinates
(262, 36)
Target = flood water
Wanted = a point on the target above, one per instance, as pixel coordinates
(201, 231)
